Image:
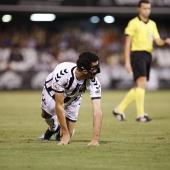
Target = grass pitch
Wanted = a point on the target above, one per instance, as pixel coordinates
(123, 145)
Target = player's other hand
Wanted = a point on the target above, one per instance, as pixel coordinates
(94, 143)
(65, 139)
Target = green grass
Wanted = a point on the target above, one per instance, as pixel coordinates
(123, 145)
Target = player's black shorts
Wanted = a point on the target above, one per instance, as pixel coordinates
(141, 63)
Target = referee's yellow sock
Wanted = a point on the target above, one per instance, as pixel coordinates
(139, 99)
(130, 97)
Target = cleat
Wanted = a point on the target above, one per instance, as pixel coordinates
(144, 118)
(47, 135)
(57, 136)
(41, 137)
(119, 116)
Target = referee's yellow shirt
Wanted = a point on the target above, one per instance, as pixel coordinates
(143, 34)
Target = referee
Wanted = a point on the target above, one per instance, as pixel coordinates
(140, 33)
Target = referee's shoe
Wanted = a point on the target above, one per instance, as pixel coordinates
(144, 118)
(119, 116)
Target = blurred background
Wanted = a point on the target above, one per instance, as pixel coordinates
(32, 43)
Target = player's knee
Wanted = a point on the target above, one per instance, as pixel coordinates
(45, 115)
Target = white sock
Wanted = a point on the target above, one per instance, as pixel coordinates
(52, 123)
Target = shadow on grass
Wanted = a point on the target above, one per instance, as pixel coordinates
(72, 141)
(87, 141)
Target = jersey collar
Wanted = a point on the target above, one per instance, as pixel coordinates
(143, 21)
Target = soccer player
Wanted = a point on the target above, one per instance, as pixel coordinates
(140, 34)
(62, 95)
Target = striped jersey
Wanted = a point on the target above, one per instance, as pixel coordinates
(143, 34)
(63, 80)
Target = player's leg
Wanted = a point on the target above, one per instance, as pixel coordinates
(119, 110)
(140, 95)
(141, 75)
(71, 127)
(129, 98)
(49, 115)
(71, 112)
(53, 127)
(139, 98)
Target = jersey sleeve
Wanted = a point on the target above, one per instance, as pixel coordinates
(130, 29)
(156, 33)
(59, 80)
(94, 87)
(57, 87)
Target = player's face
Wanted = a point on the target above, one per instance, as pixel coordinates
(145, 10)
(95, 68)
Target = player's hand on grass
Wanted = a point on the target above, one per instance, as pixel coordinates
(94, 143)
(65, 139)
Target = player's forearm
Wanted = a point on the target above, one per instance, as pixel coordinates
(97, 124)
(61, 118)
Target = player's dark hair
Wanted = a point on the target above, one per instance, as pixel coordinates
(86, 59)
(143, 1)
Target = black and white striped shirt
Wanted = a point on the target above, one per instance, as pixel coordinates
(63, 80)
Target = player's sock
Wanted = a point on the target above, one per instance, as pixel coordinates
(130, 97)
(139, 99)
(52, 123)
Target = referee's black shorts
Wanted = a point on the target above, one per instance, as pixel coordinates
(141, 63)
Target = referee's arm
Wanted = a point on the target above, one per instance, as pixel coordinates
(127, 49)
(161, 42)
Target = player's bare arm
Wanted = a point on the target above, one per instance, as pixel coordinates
(97, 122)
(71, 127)
(59, 98)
